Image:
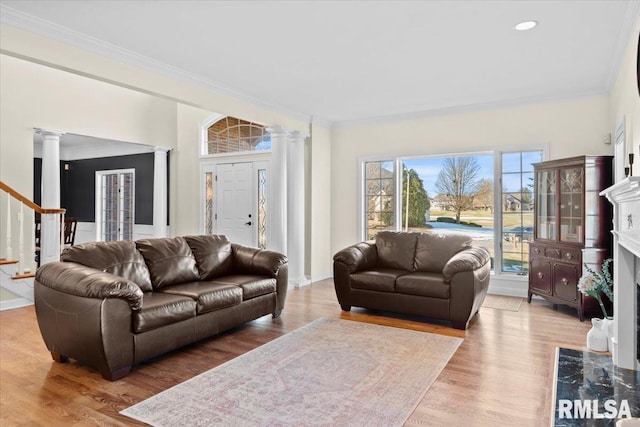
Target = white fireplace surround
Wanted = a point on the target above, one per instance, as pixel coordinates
(625, 197)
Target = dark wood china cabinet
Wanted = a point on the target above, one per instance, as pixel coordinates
(572, 226)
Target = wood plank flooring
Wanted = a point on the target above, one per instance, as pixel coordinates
(502, 374)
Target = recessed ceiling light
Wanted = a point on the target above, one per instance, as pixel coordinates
(525, 25)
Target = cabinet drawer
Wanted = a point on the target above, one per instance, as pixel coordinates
(571, 255)
(554, 253)
(565, 281)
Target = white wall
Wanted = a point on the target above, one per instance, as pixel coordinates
(625, 100)
(570, 128)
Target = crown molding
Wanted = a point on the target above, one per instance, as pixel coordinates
(630, 18)
(63, 34)
(469, 108)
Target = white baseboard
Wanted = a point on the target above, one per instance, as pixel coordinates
(14, 303)
(517, 286)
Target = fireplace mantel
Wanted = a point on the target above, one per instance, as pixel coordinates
(625, 197)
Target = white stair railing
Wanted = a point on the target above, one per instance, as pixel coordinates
(51, 233)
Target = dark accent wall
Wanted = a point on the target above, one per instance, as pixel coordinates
(78, 188)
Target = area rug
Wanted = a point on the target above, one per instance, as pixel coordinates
(328, 373)
(502, 302)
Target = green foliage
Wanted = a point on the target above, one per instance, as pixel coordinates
(419, 202)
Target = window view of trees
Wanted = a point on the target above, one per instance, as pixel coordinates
(380, 196)
(455, 194)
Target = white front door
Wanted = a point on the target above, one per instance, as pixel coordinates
(235, 210)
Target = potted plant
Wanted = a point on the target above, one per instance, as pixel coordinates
(594, 283)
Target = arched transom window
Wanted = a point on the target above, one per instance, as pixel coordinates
(232, 135)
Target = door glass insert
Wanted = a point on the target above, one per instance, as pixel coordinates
(546, 199)
(117, 200)
(571, 183)
(262, 208)
(208, 202)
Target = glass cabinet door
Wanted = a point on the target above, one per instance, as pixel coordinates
(571, 184)
(546, 202)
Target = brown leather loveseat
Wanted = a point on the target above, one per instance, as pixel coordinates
(427, 274)
(113, 305)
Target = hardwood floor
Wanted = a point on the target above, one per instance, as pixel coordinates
(502, 374)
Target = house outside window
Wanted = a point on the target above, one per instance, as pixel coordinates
(487, 195)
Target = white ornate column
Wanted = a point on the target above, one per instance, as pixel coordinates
(50, 198)
(295, 210)
(277, 192)
(160, 192)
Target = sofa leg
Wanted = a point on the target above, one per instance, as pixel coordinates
(59, 357)
(276, 314)
(459, 325)
(345, 307)
(115, 375)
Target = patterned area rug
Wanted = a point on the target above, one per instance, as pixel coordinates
(328, 373)
(502, 302)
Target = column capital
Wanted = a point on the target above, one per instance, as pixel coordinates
(46, 132)
(161, 150)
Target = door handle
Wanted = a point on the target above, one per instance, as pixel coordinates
(247, 223)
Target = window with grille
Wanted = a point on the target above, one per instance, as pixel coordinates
(115, 197)
(232, 135)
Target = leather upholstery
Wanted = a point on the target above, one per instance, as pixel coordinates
(160, 309)
(212, 253)
(76, 279)
(119, 258)
(433, 251)
(396, 249)
(170, 261)
(423, 284)
(453, 292)
(109, 323)
(208, 295)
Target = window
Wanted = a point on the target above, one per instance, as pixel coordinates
(115, 201)
(486, 195)
(517, 209)
(379, 189)
(232, 135)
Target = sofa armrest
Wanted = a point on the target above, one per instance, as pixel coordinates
(82, 281)
(257, 261)
(358, 257)
(466, 260)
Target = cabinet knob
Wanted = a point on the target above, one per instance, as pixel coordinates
(564, 281)
(568, 255)
(540, 275)
(536, 251)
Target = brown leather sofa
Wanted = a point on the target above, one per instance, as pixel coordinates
(113, 305)
(427, 274)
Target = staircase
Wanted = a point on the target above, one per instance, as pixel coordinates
(16, 277)
(15, 290)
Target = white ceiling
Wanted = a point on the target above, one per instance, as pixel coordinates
(349, 61)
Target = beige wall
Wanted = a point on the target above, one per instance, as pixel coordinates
(625, 101)
(101, 97)
(320, 206)
(569, 128)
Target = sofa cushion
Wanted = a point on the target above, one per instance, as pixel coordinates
(376, 280)
(252, 286)
(208, 296)
(212, 254)
(170, 261)
(396, 249)
(423, 284)
(160, 309)
(433, 251)
(118, 258)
